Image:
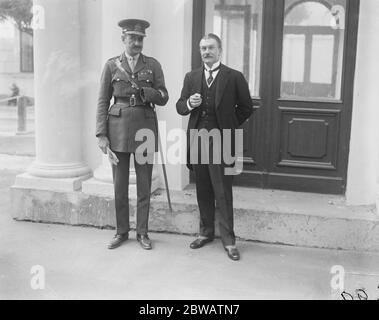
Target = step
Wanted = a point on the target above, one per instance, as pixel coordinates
(270, 216)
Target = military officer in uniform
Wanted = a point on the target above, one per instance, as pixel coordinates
(136, 83)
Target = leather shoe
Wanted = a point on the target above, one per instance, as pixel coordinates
(144, 241)
(233, 253)
(199, 242)
(117, 240)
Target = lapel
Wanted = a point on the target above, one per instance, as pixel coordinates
(197, 80)
(223, 77)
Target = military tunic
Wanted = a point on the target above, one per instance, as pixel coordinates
(131, 109)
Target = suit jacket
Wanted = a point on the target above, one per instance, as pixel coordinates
(233, 101)
(119, 122)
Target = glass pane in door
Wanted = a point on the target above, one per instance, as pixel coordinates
(313, 43)
(239, 25)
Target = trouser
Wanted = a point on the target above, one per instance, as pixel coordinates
(213, 185)
(121, 188)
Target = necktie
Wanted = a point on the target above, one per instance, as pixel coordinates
(132, 63)
(210, 78)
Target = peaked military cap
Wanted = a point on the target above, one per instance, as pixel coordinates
(134, 26)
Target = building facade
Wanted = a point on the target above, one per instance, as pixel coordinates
(311, 65)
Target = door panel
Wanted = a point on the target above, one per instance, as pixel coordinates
(308, 138)
(298, 57)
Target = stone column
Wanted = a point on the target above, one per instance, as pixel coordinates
(58, 164)
(362, 171)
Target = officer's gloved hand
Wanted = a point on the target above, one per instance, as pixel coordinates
(148, 94)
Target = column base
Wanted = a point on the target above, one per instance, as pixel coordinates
(59, 171)
(28, 181)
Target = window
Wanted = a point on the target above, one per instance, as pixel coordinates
(26, 51)
(313, 49)
(239, 25)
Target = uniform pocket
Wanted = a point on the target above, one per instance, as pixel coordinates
(115, 111)
(146, 76)
(120, 87)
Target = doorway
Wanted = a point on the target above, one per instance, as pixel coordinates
(298, 57)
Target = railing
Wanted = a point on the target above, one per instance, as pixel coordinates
(21, 112)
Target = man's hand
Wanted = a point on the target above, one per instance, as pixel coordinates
(103, 143)
(195, 100)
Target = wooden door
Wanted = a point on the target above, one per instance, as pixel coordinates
(299, 58)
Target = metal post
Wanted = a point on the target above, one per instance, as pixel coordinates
(21, 115)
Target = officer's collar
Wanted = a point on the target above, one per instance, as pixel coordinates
(136, 57)
(123, 55)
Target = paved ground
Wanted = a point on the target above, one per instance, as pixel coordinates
(22, 145)
(12, 143)
(78, 265)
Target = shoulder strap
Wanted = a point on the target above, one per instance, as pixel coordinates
(120, 67)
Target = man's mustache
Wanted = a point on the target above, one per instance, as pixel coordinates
(137, 47)
(207, 56)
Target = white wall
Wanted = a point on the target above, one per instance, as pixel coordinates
(364, 143)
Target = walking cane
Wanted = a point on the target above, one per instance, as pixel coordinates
(163, 164)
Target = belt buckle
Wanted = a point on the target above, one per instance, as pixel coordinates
(132, 100)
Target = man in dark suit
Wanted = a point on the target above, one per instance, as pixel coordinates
(136, 83)
(216, 98)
